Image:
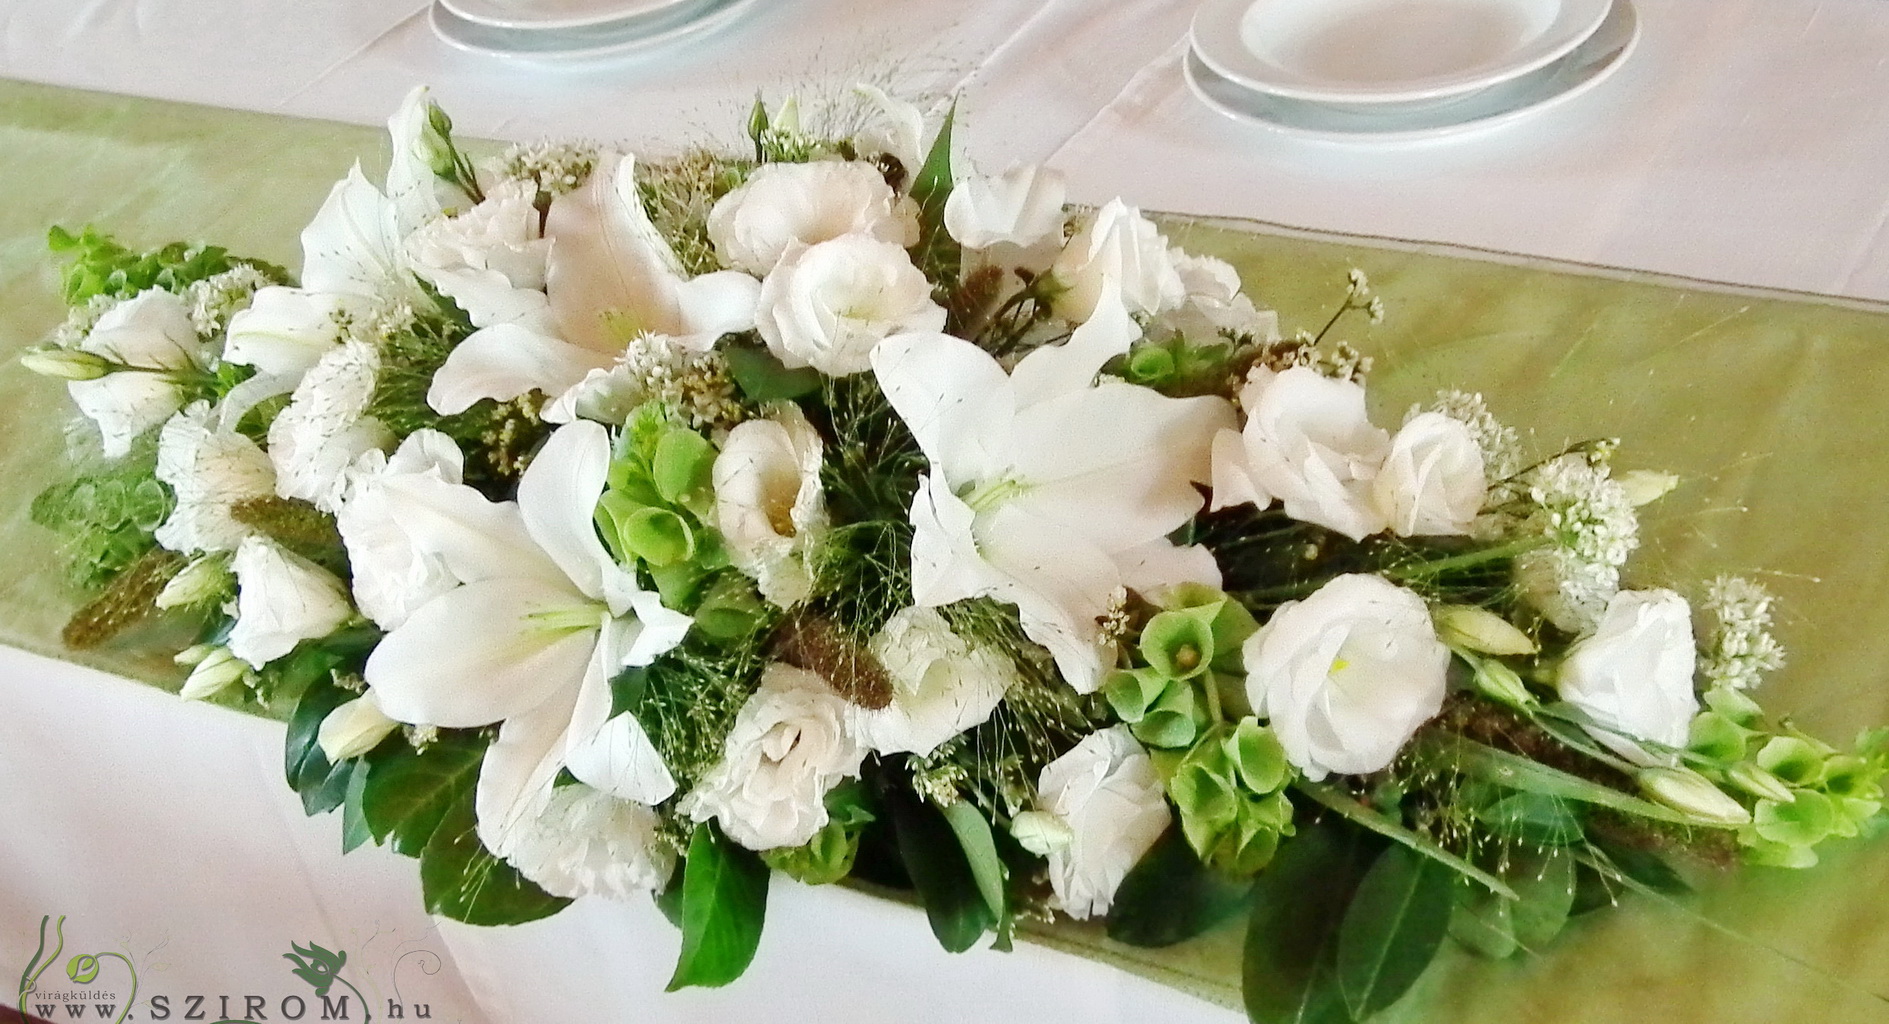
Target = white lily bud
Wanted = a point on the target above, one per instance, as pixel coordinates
(1479, 629)
(64, 363)
(205, 579)
(1690, 793)
(1758, 782)
(216, 671)
(1041, 833)
(1645, 486)
(354, 728)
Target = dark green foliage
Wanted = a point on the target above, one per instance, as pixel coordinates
(460, 879)
(1170, 896)
(724, 905)
(99, 265)
(1290, 973)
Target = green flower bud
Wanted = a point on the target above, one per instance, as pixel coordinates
(64, 363)
(1177, 644)
(1779, 855)
(1150, 364)
(1041, 832)
(1805, 821)
(1690, 793)
(1733, 704)
(731, 609)
(1796, 761)
(1258, 757)
(682, 465)
(1478, 629)
(826, 858)
(1758, 782)
(1501, 683)
(194, 654)
(1175, 718)
(1131, 692)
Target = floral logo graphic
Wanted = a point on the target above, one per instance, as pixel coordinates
(321, 968)
(82, 969)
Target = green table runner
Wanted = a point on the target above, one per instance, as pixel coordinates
(1769, 406)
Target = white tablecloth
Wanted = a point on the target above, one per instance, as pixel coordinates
(1745, 142)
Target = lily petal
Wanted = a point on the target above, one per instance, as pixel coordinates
(284, 331)
(946, 565)
(558, 499)
(507, 360)
(614, 755)
(963, 428)
(1054, 370)
(519, 769)
(352, 247)
(611, 273)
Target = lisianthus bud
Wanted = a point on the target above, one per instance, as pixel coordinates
(1644, 486)
(1693, 794)
(1758, 782)
(216, 671)
(1501, 683)
(64, 363)
(1479, 629)
(205, 579)
(354, 729)
(1040, 832)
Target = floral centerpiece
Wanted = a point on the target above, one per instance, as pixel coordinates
(608, 528)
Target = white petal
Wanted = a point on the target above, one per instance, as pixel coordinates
(519, 769)
(658, 629)
(151, 330)
(613, 755)
(612, 275)
(352, 247)
(1062, 584)
(285, 330)
(474, 655)
(558, 498)
(1054, 370)
(281, 600)
(946, 565)
(412, 186)
(125, 405)
(507, 360)
(956, 400)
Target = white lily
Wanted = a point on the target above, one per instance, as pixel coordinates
(412, 187)
(531, 637)
(611, 276)
(1046, 490)
(152, 335)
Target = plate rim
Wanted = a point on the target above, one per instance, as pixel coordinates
(1474, 124)
(1216, 14)
(635, 9)
(714, 13)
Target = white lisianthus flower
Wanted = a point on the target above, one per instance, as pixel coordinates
(580, 841)
(941, 684)
(1347, 675)
(490, 260)
(1046, 490)
(790, 744)
(542, 619)
(151, 334)
(1106, 792)
(1213, 305)
(1119, 245)
(769, 504)
(354, 728)
(282, 599)
(1432, 483)
(325, 426)
(1307, 442)
(781, 205)
(209, 469)
(1021, 207)
(827, 305)
(1633, 674)
(391, 506)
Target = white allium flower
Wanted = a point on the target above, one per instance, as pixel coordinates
(1589, 521)
(325, 426)
(827, 305)
(581, 841)
(790, 744)
(659, 368)
(214, 300)
(1307, 442)
(282, 599)
(152, 336)
(209, 469)
(1432, 481)
(769, 505)
(941, 684)
(1105, 791)
(1501, 446)
(1121, 246)
(1213, 305)
(1633, 674)
(782, 204)
(550, 167)
(1347, 675)
(1741, 649)
(1021, 207)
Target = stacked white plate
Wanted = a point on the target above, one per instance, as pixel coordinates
(575, 29)
(1391, 70)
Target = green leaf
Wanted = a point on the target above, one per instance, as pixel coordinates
(1483, 922)
(724, 905)
(1533, 818)
(1289, 974)
(1520, 773)
(980, 850)
(408, 792)
(1546, 884)
(1643, 866)
(669, 900)
(931, 186)
(1170, 896)
(1338, 800)
(762, 378)
(354, 830)
(1393, 929)
(461, 880)
(323, 786)
(941, 873)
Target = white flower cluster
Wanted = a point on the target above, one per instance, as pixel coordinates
(214, 300)
(1588, 520)
(1740, 650)
(1500, 445)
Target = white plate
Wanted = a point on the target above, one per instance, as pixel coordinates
(1386, 51)
(1585, 68)
(554, 14)
(636, 36)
